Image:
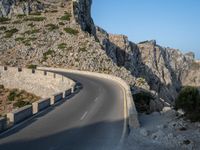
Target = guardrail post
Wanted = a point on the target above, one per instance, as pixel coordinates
(5, 68)
(19, 69)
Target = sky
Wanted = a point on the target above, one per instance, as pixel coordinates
(172, 23)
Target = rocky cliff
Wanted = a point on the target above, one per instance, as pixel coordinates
(165, 70)
(62, 33)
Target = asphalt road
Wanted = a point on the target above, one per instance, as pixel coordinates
(93, 119)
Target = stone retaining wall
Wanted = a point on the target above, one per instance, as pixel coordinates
(37, 82)
(53, 86)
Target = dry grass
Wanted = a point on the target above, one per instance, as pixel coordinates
(13, 98)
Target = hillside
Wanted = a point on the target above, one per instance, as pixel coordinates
(62, 34)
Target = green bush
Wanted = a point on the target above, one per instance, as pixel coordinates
(20, 39)
(12, 95)
(35, 13)
(3, 28)
(66, 17)
(17, 22)
(32, 66)
(62, 46)
(48, 53)
(31, 25)
(142, 101)
(3, 19)
(82, 49)
(29, 32)
(35, 19)
(52, 27)
(21, 16)
(189, 100)
(21, 103)
(1, 86)
(54, 11)
(61, 23)
(71, 31)
(10, 33)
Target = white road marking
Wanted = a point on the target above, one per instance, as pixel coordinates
(84, 115)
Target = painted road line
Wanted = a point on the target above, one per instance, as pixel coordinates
(84, 115)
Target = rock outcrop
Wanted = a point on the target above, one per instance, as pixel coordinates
(165, 70)
(81, 12)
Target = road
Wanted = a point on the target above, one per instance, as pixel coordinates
(93, 119)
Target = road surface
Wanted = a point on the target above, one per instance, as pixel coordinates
(93, 119)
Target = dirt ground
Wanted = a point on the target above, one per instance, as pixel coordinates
(11, 99)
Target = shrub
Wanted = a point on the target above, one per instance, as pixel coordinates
(66, 17)
(3, 19)
(26, 42)
(35, 13)
(61, 23)
(20, 39)
(140, 81)
(189, 100)
(21, 103)
(142, 101)
(71, 31)
(62, 46)
(54, 11)
(21, 16)
(32, 31)
(17, 22)
(10, 33)
(1, 86)
(32, 66)
(82, 49)
(31, 25)
(3, 28)
(12, 95)
(46, 54)
(52, 27)
(35, 19)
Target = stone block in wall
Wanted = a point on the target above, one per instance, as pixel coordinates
(56, 97)
(50, 74)
(41, 105)
(59, 77)
(20, 114)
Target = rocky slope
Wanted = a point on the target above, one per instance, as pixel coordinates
(62, 33)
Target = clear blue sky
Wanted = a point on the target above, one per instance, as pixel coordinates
(172, 23)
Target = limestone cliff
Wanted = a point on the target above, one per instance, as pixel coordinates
(165, 70)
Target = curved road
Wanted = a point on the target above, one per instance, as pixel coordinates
(93, 119)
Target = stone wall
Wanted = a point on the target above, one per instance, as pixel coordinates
(38, 82)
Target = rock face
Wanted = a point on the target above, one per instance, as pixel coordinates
(62, 33)
(81, 11)
(165, 70)
(11, 7)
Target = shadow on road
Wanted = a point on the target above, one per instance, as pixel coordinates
(96, 136)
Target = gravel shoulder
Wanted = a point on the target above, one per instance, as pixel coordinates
(164, 130)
